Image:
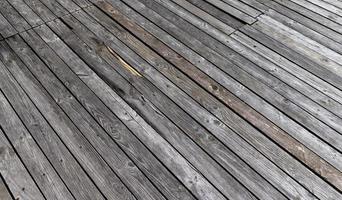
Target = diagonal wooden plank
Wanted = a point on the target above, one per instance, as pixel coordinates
(14, 173)
(287, 142)
(82, 144)
(59, 156)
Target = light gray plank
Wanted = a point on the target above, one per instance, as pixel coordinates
(55, 7)
(41, 170)
(19, 181)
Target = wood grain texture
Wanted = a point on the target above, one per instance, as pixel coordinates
(59, 156)
(14, 173)
(81, 144)
(294, 147)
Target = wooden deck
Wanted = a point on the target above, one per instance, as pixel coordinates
(170, 99)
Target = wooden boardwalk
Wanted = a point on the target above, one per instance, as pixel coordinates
(170, 99)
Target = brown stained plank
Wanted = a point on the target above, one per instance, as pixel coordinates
(62, 160)
(5, 194)
(297, 149)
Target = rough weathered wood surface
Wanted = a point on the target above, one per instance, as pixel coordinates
(170, 99)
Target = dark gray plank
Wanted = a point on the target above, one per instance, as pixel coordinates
(81, 144)
(69, 5)
(311, 159)
(6, 29)
(243, 7)
(232, 11)
(30, 16)
(14, 18)
(59, 156)
(40, 9)
(14, 173)
(219, 14)
(4, 193)
(203, 116)
(55, 7)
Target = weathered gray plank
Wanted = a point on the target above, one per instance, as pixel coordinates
(136, 124)
(186, 85)
(296, 70)
(325, 10)
(243, 7)
(59, 156)
(124, 167)
(217, 13)
(69, 5)
(219, 129)
(5, 194)
(232, 11)
(40, 9)
(204, 16)
(14, 18)
(55, 7)
(284, 139)
(239, 90)
(6, 29)
(298, 42)
(19, 181)
(41, 170)
(152, 168)
(183, 142)
(306, 31)
(230, 68)
(295, 57)
(31, 17)
(303, 19)
(81, 144)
